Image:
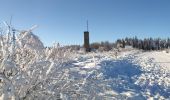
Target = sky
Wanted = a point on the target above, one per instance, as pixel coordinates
(64, 21)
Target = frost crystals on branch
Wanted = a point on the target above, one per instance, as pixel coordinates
(32, 71)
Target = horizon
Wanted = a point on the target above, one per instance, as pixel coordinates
(65, 21)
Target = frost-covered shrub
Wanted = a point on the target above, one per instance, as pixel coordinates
(28, 70)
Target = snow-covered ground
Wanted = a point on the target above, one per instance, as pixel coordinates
(31, 71)
(133, 75)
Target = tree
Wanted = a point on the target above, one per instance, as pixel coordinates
(95, 45)
(27, 74)
(145, 44)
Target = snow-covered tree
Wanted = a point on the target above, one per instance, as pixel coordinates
(31, 71)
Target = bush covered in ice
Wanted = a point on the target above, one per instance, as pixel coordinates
(28, 70)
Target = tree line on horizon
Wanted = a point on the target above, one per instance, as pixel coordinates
(143, 44)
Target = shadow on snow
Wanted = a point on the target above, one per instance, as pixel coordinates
(123, 74)
(114, 69)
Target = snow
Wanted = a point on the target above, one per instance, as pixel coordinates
(161, 58)
(29, 40)
(125, 74)
(134, 74)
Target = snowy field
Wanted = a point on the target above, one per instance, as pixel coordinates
(134, 75)
(30, 71)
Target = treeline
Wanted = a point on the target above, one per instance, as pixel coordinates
(102, 46)
(144, 44)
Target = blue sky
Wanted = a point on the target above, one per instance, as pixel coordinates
(65, 20)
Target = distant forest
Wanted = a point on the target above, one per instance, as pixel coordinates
(144, 44)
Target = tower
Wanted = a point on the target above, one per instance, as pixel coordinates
(86, 40)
